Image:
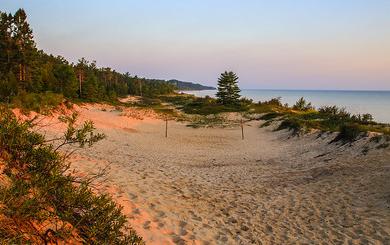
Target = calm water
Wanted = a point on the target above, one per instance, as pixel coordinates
(377, 103)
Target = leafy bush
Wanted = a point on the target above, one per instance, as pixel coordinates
(41, 201)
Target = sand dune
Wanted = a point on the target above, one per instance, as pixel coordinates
(207, 186)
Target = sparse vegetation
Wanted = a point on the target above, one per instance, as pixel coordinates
(348, 133)
(39, 102)
(302, 117)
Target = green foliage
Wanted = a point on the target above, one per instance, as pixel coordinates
(348, 133)
(66, 80)
(24, 69)
(212, 120)
(270, 116)
(42, 200)
(8, 87)
(208, 105)
(245, 102)
(272, 102)
(147, 102)
(188, 86)
(42, 102)
(302, 105)
(291, 124)
(228, 91)
(328, 118)
(178, 99)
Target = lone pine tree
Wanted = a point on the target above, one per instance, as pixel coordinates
(228, 90)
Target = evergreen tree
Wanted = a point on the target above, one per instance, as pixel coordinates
(8, 87)
(67, 81)
(228, 90)
(26, 49)
(24, 69)
(6, 43)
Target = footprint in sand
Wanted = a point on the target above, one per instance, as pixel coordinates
(147, 225)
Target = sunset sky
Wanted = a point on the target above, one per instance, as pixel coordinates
(284, 44)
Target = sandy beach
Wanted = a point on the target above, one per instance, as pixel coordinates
(208, 186)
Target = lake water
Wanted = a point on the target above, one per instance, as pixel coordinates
(377, 103)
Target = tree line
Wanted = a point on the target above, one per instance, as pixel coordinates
(25, 69)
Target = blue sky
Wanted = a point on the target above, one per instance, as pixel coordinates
(290, 44)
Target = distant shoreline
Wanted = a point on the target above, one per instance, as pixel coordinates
(354, 101)
(308, 90)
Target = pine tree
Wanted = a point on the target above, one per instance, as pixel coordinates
(7, 45)
(228, 90)
(25, 44)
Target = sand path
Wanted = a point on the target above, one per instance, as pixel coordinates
(207, 186)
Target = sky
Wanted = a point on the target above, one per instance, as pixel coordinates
(281, 44)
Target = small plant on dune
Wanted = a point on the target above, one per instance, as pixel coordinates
(270, 116)
(302, 105)
(271, 105)
(245, 101)
(41, 201)
(329, 110)
(348, 133)
(364, 118)
(208, 106)
(274, 102)
(292, 125)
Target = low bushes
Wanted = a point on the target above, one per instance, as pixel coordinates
(38, 102)
(208, 105)
(302, 116)
(291, 124)
(41, 202)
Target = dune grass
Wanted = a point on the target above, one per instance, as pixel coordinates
(299, 118)
(327, 119)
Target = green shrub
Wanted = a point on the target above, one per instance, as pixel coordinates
(41, 201)
(208, 106)
(245, 101)
(148, 102)
(177, 99)
(273, 102)
(302, 105)
(42, 102)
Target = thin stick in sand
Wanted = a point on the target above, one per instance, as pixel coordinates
(242, 130)
(166, 127)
